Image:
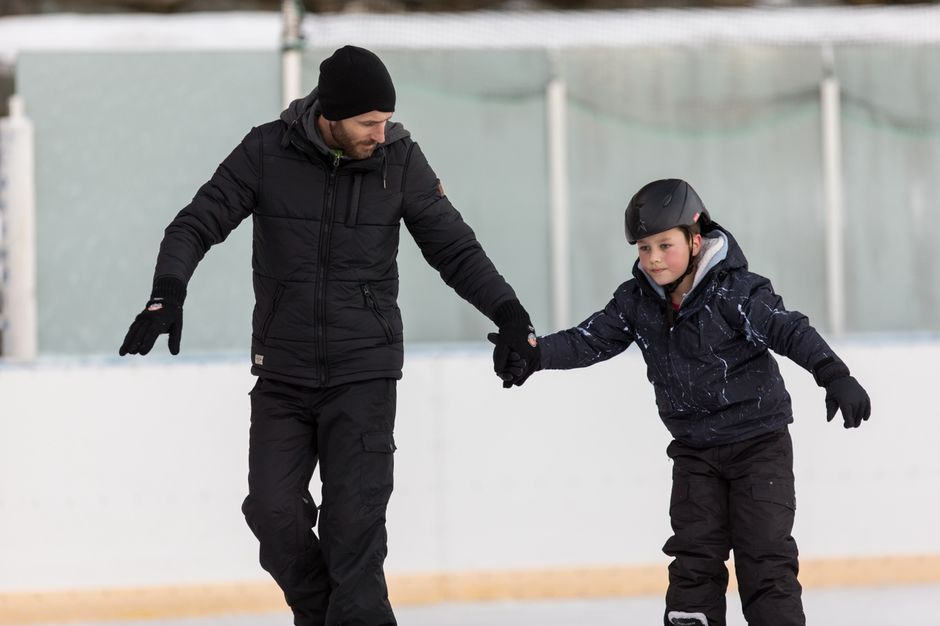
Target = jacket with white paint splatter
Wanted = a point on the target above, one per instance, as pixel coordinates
(714, 377)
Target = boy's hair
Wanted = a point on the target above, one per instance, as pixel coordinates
(691, 230)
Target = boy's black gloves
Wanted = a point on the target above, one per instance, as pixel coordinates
(847, 395)
(516, 335)
(163, 314)
(515, 369)
(842, 392)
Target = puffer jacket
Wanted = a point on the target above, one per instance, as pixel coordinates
(326, 234)
(714, 377)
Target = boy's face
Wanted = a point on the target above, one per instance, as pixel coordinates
(665, 256)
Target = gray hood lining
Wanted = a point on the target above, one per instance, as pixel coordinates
(714, 250)
(304, 111)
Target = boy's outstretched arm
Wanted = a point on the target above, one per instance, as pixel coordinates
(763, 319)
(601, 336)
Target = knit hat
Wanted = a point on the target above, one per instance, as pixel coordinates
(354, 81)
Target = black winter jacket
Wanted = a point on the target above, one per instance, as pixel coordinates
(714, 378)
(326, 233)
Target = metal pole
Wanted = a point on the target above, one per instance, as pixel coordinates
(292, 44)
(557, 102)
(832, 187)
(18, 209)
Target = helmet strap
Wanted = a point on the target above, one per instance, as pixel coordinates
(671, 287)
(689, 268)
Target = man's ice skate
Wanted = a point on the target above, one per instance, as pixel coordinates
(679, 618)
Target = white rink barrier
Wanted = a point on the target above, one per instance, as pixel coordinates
(118, 473)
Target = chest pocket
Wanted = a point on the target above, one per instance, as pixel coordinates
(374, 209)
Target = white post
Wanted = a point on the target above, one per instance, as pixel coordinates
(18, 213)
(557, 103)
(832, 188)
(292, 44)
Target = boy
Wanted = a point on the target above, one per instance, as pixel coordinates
(704, 324)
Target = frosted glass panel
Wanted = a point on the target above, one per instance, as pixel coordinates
(125, 139)
(741, 125)
(122, 143)
(891, 136)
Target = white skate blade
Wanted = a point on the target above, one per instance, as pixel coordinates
(679, 618)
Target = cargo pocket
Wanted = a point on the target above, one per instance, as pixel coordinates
(377, 467)
(679, 508)
(776, 491)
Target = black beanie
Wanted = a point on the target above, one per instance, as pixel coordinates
(354, 81)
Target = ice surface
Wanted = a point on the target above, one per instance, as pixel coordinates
(865, 607)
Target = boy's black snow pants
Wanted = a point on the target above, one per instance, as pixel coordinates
(738, 496)
(338, 577)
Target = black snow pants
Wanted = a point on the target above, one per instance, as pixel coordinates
(738, 496)
(337, 578)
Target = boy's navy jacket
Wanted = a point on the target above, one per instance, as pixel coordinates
(714, 377)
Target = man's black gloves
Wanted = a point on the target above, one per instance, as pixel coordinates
(515, 351)
(163, 314)
(515, 369)
(847, 395)
(842, 393)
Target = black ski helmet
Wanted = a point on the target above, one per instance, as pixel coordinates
(662, 205)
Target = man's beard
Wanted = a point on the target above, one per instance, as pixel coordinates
(351, 149)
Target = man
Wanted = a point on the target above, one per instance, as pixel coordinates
(327, 186)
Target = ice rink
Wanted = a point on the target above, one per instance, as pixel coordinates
(122, 480)
(880, 606)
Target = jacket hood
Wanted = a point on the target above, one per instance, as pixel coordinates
(734, 257)
(302, 112)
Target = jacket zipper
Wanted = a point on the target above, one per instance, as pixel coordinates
(326, 230)
(370, 301)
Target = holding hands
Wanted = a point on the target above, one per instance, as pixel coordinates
(516, 353)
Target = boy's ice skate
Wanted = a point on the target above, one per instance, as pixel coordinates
(678, 618)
